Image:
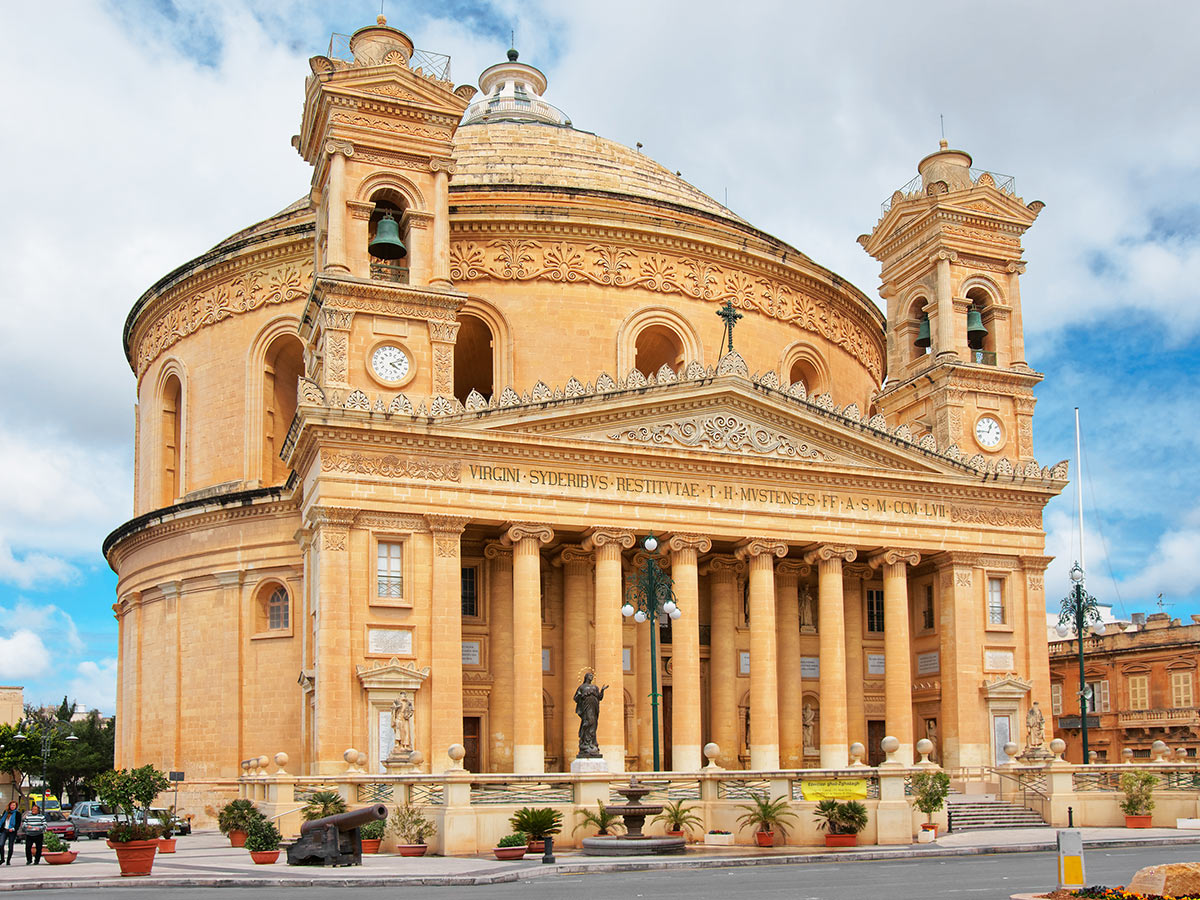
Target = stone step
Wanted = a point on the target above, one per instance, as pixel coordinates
(967, 815)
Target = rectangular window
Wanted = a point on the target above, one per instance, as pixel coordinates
(470, 596)
(1139, 691)
(1181, 689)
(1099, 696)
(995, 601)
(927, 609)
(875, 611)
(390, 581)
(1056, 699)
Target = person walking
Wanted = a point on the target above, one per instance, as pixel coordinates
(10, 822)
(34, 826)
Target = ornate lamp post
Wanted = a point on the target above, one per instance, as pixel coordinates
(1079, 608)
(48, 731)
(650, 596)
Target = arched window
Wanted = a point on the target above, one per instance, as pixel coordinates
(277, 609)
(273, 612)
(282, 368)
(920, 330)
(981, 343)
(802, 363)
(171, 425)
(474, 363)
(658, 345)
(388, 241)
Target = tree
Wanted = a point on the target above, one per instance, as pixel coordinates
(65, 711)
(74, 765)
(20, 759)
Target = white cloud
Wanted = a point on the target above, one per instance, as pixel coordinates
(95, 685)
(23, 656)
(1171, 569)
(44, 619)
(34, 570)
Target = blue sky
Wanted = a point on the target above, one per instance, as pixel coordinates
(151, 130)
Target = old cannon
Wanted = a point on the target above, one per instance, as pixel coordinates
(333, 840)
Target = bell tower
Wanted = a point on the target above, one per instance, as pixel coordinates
(378, 125)
(949, 245)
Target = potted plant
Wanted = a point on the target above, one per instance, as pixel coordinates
(536, 822)
(170, 825)
(234, 820)
(767, 816)
(130, 793)
(372, 834)
(323, 803)
(262, 840)
(1138, 802)
(56, 852)
(930, 790)
(512, 846)
(842, 821)
(718, 837)
(678, 818)
(602, 820)
(411, 828)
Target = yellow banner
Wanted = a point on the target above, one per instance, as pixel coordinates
(845, 789)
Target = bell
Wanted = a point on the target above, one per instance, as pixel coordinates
(923, 340)
(976, 331)
(387, 243)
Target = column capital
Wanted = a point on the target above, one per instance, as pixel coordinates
(681, 541)
(441, 524)
(520, 531)
(335, 319)
(229, 579)
(723, 567)
(758, 546)
(331, 516)
(791, 570)
(600, 537)
(1035, 564)
(499, 553)
(443, 332)
(828, 552)
(893, 556)
(574, 559)
(334, 148)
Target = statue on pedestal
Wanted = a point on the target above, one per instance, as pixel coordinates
(807, 621)
(1035, 727)
(587, 707)
(402, 715)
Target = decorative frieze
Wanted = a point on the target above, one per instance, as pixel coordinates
(390, 466)
(723, 432)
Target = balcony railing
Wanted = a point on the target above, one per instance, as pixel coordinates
(387, 272)
(1152, 718)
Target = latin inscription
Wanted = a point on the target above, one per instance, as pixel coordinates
(928, 663)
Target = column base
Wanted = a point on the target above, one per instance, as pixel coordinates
(529, 760)
(764, 758)
(835, 756)
(686, 758)
(614, 756)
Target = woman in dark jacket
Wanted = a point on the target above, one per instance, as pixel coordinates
(10, 821)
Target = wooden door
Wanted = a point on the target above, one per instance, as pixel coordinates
(471, 731)
(875, 734)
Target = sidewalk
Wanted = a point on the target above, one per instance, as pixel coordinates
(207, 860)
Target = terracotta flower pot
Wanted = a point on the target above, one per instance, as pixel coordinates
(509, 852)
(930, 827)
(237, 838)
(371, 845)
(1138, 821)
(136, 857)
(841, 840)
(412, 849)
(765, 838)
(537, 846)
(264, 857)
(61, 858)
(166, 845)
(675, 834)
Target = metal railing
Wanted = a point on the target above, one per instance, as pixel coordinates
(430, 63)
(916, 187)
(522, 792)
(387, 272)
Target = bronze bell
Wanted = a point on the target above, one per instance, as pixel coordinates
(923, 339)
(976, 331)
(387, 243)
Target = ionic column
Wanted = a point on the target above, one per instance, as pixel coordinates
(685, 649)
(528, 731)
(440, 276)
(723, 572)
(500, 658)
(854, 591)
(897, 653)
(577, 569)
(835, 749)
(791, 698)
(445, 629)
(764, 684)
(335, 207)
(333, 729)
(610, 731)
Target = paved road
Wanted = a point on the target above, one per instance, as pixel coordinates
(962, 878)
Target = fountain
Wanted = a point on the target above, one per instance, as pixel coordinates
(633, 813)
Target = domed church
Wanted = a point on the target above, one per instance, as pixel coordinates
(410, 451)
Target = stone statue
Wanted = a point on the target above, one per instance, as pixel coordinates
(931, 732)
(806, 609)
(809, 725)
(587, 707)
(402, 714)
(1035, 727)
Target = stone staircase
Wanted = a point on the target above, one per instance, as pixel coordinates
(975, 811)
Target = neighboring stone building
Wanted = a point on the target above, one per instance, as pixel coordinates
(1143, 679)
(364, 482)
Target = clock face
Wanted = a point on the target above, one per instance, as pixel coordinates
(389, 363)
(988, 433)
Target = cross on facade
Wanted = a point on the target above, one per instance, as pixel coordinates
(730, 317)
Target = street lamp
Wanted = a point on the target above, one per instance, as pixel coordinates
(1081, 609)
(650, 595)
(48, 731)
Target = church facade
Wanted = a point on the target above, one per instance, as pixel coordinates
(400, 446)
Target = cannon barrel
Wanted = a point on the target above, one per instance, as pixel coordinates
(352, 818)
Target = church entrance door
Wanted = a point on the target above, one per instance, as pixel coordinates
(875, 734)
(471, 762)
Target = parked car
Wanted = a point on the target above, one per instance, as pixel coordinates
(92, 819)
(183, 824)
(60, 825)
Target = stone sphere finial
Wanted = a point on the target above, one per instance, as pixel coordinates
(1011, 750)
(889, 745)
(1057, 746)
(361, 759)
(1127, 754)
(857, 751)
(416, 758)
(262, 762)
(351, 757)
(711, 752)
(246, 766)
(281, 760)
(924, 747)
(1159, 749)
(456, 752)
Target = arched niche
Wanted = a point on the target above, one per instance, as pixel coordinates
(654, 336)
(803, 362)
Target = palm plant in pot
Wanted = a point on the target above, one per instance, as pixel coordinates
(56, 852)
(930, 790)
(841, 821)
(766, 816)
(678, 818)
(234, 820)
(411, 828)
(602, 820)
(262, 840)
(170, 825)
(372, 835)
(323, 803)
(511, 846)
(536, 822)
(1139, 801)
(130, 793)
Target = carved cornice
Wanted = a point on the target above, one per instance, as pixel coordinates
(600, 537)
(1035, 564)
(520, 531)
(443, 524)
(759, 546)
(384, 297)
(893, 556)
(723, 568)
(389, 466)
(997, 516)
(681, 541)
(829, 552)
(391, 521)
(331, 516)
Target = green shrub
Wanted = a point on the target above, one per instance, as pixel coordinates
(602, 820)
(237, 815)
(54, 844)
(766, 814)
(1138, 788)
(409, 824)
(373, 831)
(537, 822)
(930, 790)
(849, 817)
(677, 817)
(262, 835)
(516, 839)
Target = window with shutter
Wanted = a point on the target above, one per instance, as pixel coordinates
(1056, 699)
(1181, 689)
(1104, 696)
(1139, 691)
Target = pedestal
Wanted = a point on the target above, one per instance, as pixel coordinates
(588, 765)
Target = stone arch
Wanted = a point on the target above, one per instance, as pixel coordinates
(170, 427)
(502, 343)
(802, 361)
(662, 325)
(744, 728)
(271, 397)
(393, 184)
(983, 294)
(916, 306)
(272, 607)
